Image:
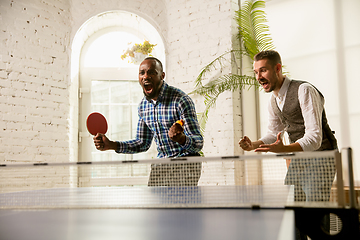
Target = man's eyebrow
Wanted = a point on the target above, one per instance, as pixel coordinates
(261, 68)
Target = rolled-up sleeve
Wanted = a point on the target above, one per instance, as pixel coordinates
(274, 126)
(312, 106)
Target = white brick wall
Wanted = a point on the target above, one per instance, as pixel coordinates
(35, 47)
(199, 32)
(33, 73)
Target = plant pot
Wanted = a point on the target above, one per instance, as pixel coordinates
(138, 57)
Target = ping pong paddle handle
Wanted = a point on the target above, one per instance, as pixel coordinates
(103, 143)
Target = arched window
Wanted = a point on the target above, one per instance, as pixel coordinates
(109, 84)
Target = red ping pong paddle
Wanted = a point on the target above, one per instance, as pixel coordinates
(96, 123)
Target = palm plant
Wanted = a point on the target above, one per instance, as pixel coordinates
(254, 36)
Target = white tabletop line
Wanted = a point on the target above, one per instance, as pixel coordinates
(287, 227)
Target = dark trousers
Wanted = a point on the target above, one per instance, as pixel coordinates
(300, 196)
(312, 179)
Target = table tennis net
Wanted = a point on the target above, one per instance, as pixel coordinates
(235, 181)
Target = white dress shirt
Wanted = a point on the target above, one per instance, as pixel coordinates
(311, 104)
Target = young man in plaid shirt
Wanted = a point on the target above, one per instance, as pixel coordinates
(158, 111)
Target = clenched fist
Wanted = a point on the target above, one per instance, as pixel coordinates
(176, 132)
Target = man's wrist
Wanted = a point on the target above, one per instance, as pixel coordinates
(114, 145)
(294, 147)
(257, 144)
(182, 140)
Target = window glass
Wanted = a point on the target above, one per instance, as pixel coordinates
(119, 91)
(136, 92)
(115, 92)
(106, 50)
(117, 100)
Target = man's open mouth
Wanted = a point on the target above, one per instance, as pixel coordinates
(264, 83)
(148, 87)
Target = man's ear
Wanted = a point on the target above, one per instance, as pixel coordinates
(278, 67)
(162, 75)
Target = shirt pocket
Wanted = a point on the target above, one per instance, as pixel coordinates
(166, 118)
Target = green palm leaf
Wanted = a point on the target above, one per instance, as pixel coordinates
(253, 31)
(218, 63)
(255, 37)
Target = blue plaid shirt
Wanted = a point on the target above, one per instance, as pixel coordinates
(155, 120)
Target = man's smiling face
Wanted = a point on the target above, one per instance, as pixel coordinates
(151, 78)
(267, 75)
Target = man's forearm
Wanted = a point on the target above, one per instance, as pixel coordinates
(293, 147)
(257, 143)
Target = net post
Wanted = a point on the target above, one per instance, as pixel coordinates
(352, 196)
(339, 180)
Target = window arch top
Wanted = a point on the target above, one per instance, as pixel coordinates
(117, 29)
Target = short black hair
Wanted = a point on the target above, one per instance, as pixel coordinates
(157, 60)
(271, 55)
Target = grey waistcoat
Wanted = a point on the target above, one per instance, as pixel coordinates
(293, 120)
(318, 174)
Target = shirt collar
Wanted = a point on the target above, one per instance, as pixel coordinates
(162, 91)
(283, 90)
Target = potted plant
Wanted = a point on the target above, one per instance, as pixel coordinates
(254, 36)
(138, 51)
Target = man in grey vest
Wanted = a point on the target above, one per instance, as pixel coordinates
(296, 116)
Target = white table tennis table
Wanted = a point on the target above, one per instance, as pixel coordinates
(149, 224)
(115, 216)
(139, 212)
